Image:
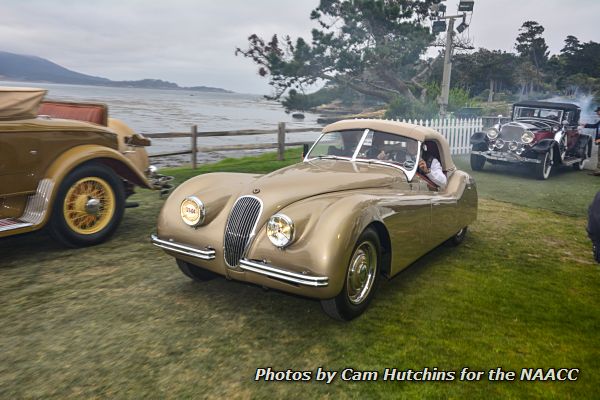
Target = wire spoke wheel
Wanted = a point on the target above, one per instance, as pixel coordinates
(89, 205)
(544, 168)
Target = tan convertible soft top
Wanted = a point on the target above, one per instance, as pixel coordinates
(416, 132)
(19, 102)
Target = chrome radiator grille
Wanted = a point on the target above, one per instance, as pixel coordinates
(240, 228)
(511, 132)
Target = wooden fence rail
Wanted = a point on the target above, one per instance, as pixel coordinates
(280, 145)
(457, 131)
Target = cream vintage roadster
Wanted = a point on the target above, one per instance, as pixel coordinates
(67, 166)
(357, 208)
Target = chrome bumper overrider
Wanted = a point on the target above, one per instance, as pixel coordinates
(283, 274)
(508, 157)
(206, 254)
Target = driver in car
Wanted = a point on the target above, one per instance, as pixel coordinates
(428, 165)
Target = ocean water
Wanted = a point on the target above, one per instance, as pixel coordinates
(154, 110)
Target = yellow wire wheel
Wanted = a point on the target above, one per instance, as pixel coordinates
(89, 205)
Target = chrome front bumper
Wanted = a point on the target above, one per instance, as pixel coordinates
(256, 267)
(283, 274)
(505, 156)
(202, 254)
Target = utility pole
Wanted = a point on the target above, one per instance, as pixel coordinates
(438, 11)
(443, 101)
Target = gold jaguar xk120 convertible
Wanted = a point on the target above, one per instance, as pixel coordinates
(358, 207)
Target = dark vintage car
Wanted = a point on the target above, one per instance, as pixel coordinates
(355, 209)
(541, 134)
(66, 166)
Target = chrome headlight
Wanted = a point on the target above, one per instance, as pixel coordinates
(492, 133)
(499, 144)
(512, 146)
(527, 137)
(280, 230)
(192, 211)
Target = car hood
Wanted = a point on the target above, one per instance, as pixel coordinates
(316, 177)
(533, 124)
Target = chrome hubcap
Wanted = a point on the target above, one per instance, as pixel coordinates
(361, 272)
(92, 206)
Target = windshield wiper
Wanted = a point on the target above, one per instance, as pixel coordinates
(330, 157)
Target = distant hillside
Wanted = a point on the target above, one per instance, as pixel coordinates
(18, 67)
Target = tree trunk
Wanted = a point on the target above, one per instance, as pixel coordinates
(491, 93)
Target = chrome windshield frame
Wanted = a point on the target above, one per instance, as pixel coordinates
(408, 173)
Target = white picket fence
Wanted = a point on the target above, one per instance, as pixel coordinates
(457, 131)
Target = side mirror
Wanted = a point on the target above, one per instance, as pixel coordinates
(565, 122)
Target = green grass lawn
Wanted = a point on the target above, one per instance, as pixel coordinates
(120, 321)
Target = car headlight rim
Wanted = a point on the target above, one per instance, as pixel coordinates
(527, 137)
(280, 230)
(492, 133)
(192, 211)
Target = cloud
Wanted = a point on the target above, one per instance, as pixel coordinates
(192, 42)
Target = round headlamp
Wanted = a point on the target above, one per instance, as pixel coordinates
(192, 211)
(527, 137)
(499, 144)
(520, 150)
(512, 146)
(491, 145)
(280, 230)
(492, 133)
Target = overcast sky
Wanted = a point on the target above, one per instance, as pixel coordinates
(192, 42)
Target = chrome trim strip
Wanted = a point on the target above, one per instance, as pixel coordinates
(283, 274)
(10, 224)
(35, 209)
(183, 249)
(508, 158)
(38, 204)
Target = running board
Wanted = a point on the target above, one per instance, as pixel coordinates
(9, 224)
(571, 161)
(35, 210)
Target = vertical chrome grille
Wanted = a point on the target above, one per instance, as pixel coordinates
(240, 228)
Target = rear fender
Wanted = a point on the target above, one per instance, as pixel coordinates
(582, 142)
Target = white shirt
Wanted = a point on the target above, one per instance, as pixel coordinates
(436, 174)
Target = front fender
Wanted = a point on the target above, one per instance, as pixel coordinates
(326, 230)
(479, 141)
(543, 145)
(214, 190)
(78, 155)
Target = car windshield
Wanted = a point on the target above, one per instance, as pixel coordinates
(369, 146)
(530, 112)
(340, 144)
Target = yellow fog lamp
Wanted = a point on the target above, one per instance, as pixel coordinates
(192, 211)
